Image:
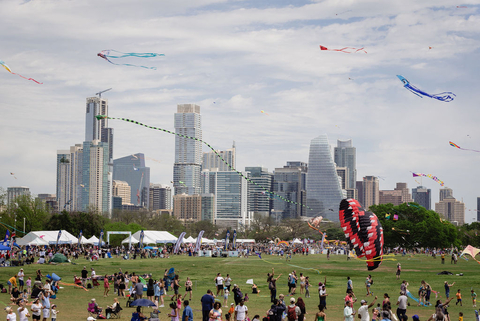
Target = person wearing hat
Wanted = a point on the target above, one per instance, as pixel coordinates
(363, 310)
(11, 316)
(293, 311)
(54, 312)
(20, 280)
(36, 309)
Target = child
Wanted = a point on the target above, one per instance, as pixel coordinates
(256, 318)
(307, 285)
(54, 312)
(230, 311)
(460, 316)
(459, 298)
(179, 302)
(246, 297)
(29, 286)
(474, 298)
(375, 314)
(225, 297)
(106, 286)
(25, 296)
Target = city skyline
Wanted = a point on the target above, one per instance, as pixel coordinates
(236, 59)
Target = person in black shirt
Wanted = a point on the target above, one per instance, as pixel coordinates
(84, 276)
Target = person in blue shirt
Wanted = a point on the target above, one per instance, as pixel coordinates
(187, 311)
(207, 304)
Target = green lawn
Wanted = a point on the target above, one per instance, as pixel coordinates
(72, 302)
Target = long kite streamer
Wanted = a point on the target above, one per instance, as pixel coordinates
(10, 71)
(445, 96)
(114, 54)
(456, 146)
(99, 117)
(345, 49)
(435, 178)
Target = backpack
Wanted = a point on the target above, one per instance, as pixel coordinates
(291, 314)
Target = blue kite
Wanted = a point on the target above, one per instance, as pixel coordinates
(113, 54)
(445, 96)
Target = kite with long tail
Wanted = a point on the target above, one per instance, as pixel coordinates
(99, 117)
(10, 71)
(345, 49)
(445, 96)
(113, 54)
(456, 146)
(435, 178)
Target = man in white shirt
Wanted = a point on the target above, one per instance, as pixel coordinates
(402, 305)
(348, 313)
(22, 311)
(219, 283)
(241, 311)
(363, 310)
(20, 280)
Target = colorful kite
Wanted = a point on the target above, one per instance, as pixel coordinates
(13, 174)
(445, 96)
(263, 112)
(345, 50)
(106, 54)
(456, 146)
(99, 117)
(315, 222)
(472, 251)
(10, 71)
(435, 178)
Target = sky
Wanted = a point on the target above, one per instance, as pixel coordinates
(235, 59)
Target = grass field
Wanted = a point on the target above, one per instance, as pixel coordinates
(72, 302)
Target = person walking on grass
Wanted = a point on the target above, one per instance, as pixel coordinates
(459, 298)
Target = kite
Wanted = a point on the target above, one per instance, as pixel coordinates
(456, 146)
(263, 112)
(13, 174)
(106, 54)
(10, 71)
(146, 157)
(461, 7)
(99, 117)
(445, 96)
(363, 232)
(182, 183)
(345, 50)
(472, 251)
(435, 178)
(315, 222)
(283, 242)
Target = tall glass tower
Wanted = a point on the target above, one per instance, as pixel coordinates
(324, 191)
(188, 152)
(345, 155)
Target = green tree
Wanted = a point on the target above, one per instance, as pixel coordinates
(168, 223)
(206, 226)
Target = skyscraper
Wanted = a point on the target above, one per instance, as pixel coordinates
(188, 152)
(398, 196)
(371, 193)
(76, 170)
(259, 201)
(160, 197)
(96, 187)
(422, 196)
(63, 179)
(478, 209)
(451, 209)
(445, 192)
(212, 162)
(122, 189)
(16, 191)
(346, 156)
(324, 192)
(132, 170)
(290, 182)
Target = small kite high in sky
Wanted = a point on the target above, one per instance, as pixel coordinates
(456, 146)
(435, 178)
(10, 71)
(445, 96)
(113, 54)
(345, 50)
(263, 112)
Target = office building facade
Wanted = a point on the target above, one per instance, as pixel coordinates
(345, 155)
(187, 208)
(16, 191)
(132, 170)
(212, 162)
(370, 191)
(160, 197)
(290, 183)
(122, 189)
(451, 209)
(259, 200)
(64, 176)
(422, 196)
(96, 190)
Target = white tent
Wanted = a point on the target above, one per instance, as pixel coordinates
(189, 239)
(245, 241)
(204, 241)
(151, 237)
(50, 237)
(83, 240)
(297, 241)
(94, 240)
(36, 241)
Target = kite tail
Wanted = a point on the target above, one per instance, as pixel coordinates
(133, 54)
(446, 96)
(40, 83)
(417, 91)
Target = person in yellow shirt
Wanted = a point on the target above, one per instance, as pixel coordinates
(12, 281)
(460, 316)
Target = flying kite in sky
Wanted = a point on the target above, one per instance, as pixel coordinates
(263, 112)
(472, 251)
(315, 222)
(345, 50)
(10, 71)
(363, 232)
(113, 54)
(13, 174)
(99, 117)
(445, 96)
(435, 178)
(456, 146)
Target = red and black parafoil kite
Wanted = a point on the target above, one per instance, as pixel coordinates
(363, 232)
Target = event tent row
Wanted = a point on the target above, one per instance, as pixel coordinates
(155, 237)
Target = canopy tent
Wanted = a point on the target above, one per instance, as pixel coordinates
(245, 241)
(83, 240)
(50, 237)
(35, 242)
(297, 241)
(94, 240)
(204, 241)
(189, 239)
(151, 237)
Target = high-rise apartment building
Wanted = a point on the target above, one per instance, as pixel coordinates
(478, 209)
(188, 152)
(96, 191)
(212, 162)
(160, 197)
(451, 209)
(64, 185)
(345, 155)
(259, 201)
(122, 189)
(132, 170)
(290, 182)
(422, 196)
(396, 197)
(370, 192)
(208, 207)
(187, 208)
(324, 192)
(445, 192)
(16, 191)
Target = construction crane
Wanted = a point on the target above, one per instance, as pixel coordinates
(101, 92)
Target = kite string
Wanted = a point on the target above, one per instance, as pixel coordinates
(208, 145)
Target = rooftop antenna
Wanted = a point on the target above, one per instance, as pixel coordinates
(101, 92)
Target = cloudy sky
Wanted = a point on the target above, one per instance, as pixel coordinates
(235, 59)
